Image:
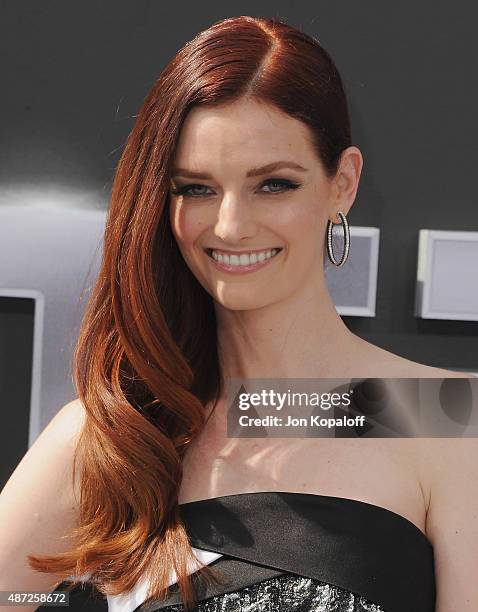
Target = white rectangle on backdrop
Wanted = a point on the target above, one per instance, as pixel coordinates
(447, 277)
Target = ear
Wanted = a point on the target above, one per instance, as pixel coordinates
(346, 180)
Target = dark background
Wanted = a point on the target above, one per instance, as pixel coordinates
(16, 338)
(74, 74)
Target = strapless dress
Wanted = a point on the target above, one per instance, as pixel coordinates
(301, 552)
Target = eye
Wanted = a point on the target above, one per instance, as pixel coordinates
(183, 191)
(283, 183)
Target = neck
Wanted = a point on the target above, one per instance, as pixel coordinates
(299, 337)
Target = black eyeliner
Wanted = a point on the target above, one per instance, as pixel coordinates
(285, 182)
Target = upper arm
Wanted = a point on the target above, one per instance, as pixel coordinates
(452, 521)
(38, 504)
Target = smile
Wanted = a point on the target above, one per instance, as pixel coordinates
(242, 262)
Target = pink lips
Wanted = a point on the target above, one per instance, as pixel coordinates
(241, 269)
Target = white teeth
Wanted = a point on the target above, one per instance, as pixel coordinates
(244, 259)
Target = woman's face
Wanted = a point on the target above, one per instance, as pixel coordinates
(249, 204)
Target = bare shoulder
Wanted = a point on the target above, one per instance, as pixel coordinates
(69, 420)
(384, 364)
(39, 503)
(449, 471)
(424, 371)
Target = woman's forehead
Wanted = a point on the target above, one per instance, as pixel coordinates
(249, 138)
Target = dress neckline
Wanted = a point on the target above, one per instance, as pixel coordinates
(334, 498)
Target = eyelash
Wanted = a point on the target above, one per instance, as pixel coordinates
(284, 182)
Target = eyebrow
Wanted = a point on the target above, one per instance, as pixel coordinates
(253, 172)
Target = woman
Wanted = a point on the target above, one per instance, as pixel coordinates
(213, 268)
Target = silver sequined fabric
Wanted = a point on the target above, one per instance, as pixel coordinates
(285, 593)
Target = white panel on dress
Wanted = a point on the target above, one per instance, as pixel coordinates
(128, 602)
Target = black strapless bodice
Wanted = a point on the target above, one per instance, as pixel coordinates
(308, 553)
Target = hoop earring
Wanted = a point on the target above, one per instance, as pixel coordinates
(330, 253)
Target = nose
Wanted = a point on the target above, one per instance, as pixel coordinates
(234, 220)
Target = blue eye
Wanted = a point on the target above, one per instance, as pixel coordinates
(183, 191)
(282, 182)
(285, 185)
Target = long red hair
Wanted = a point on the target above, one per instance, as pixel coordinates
(146, 361)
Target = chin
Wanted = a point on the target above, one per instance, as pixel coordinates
(241, 301)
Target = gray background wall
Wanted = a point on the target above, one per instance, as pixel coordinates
(74, 74)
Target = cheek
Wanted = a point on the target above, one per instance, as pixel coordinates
(299, 222)
(186, 223)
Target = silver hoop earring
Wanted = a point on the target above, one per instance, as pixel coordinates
(330, 253)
